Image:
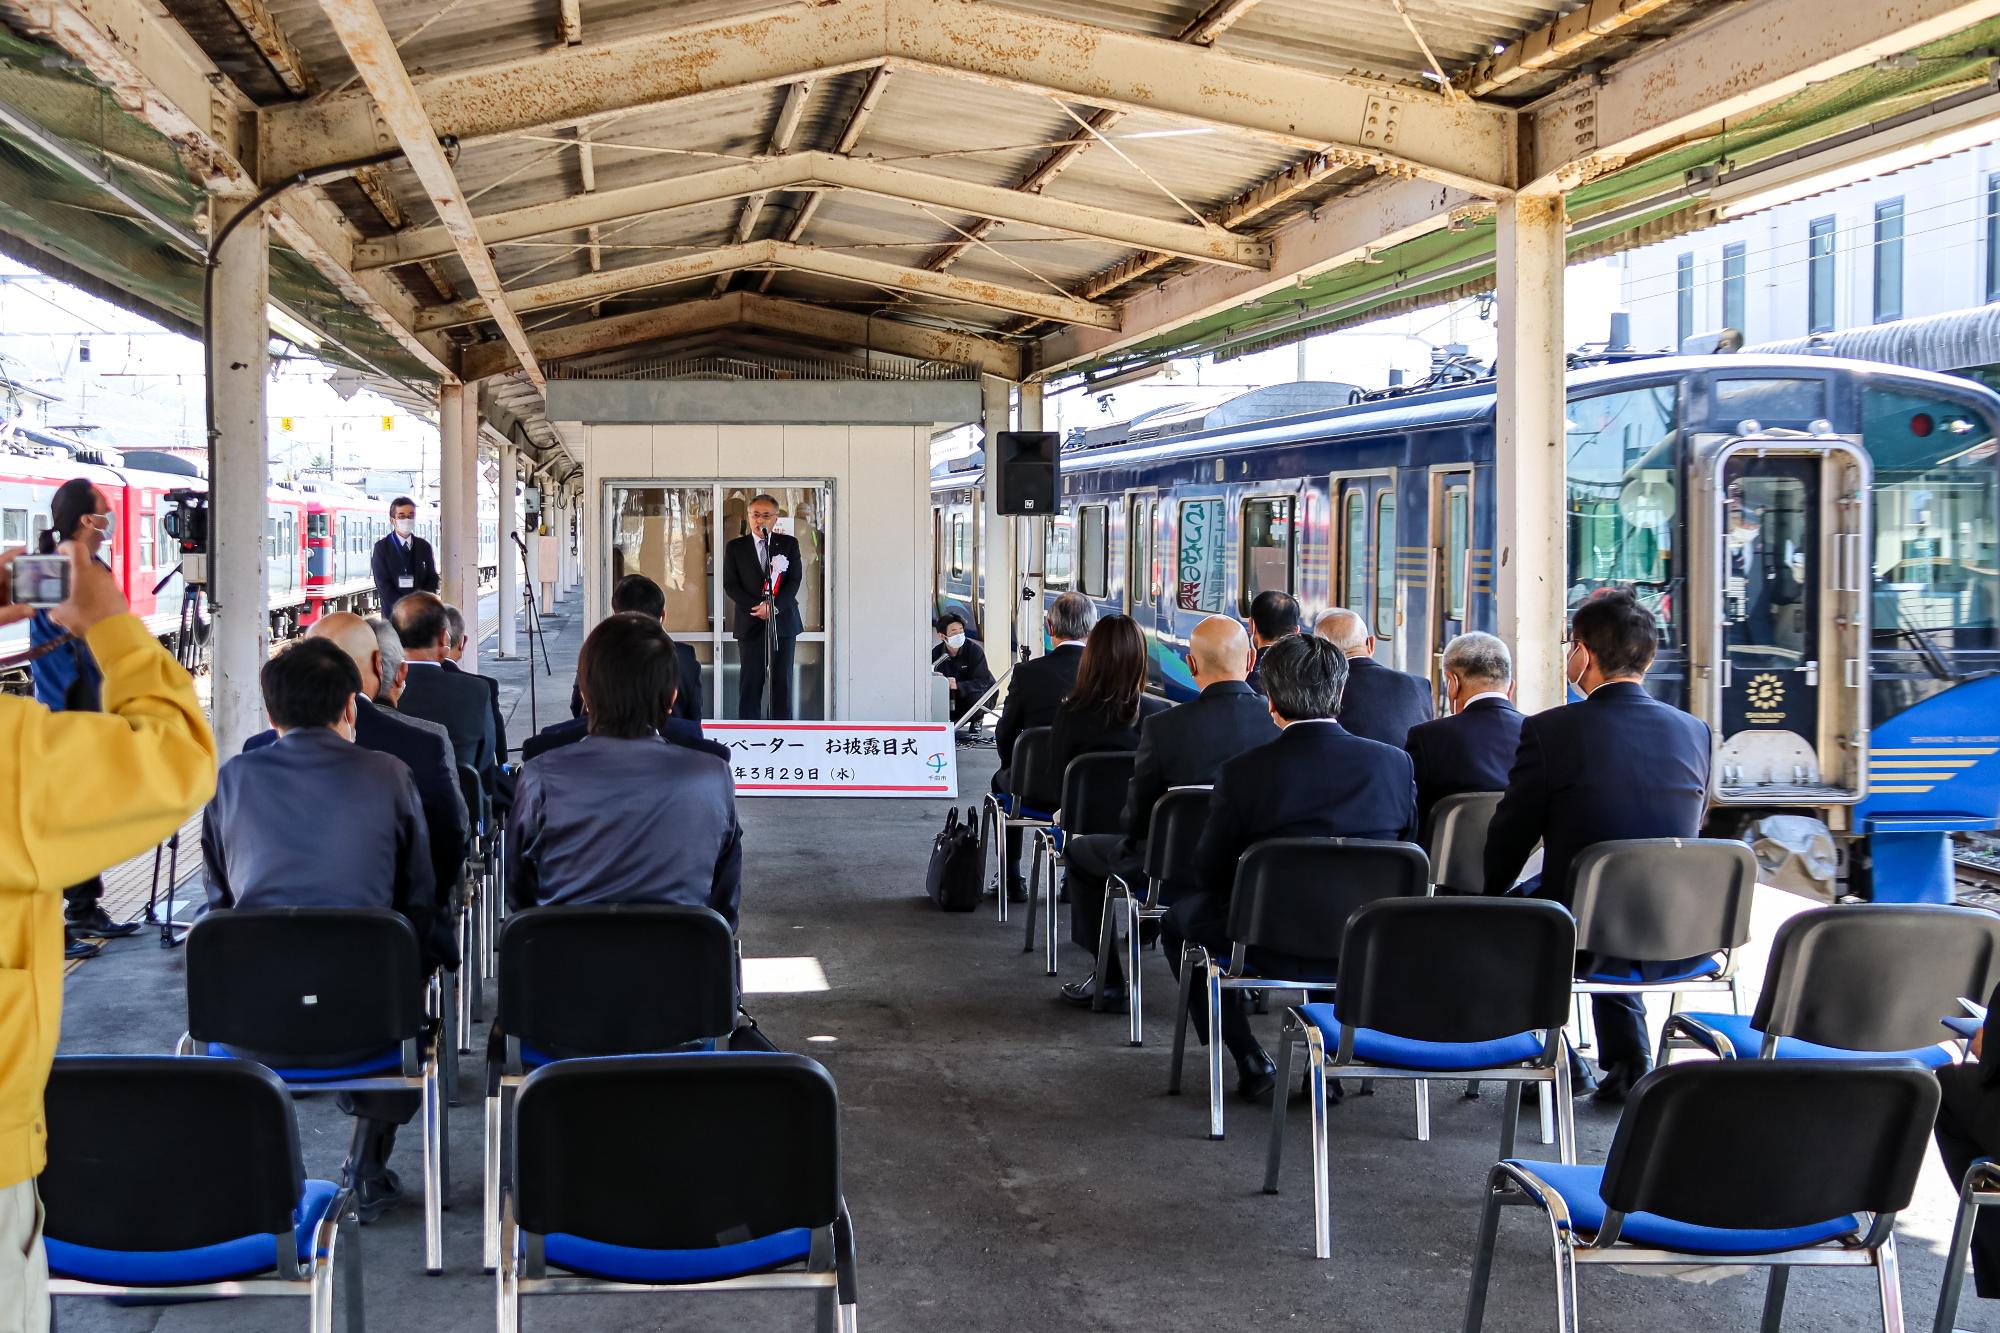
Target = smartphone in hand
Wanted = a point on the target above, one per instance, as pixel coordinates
(39, 580)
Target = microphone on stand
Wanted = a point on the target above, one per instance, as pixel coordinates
(518, 542)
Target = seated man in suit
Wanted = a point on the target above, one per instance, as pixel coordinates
(636, 592)
(1620, 764)
(961, 660)
(452, 661)
(1967, 1129)
(1181, 747)
(258, 852)
(621, 816)
(1037, 690)
(1473, 748)
(1314, 781)
(424, 749)
(1381, 703)
(454, 700)
(1274, 615)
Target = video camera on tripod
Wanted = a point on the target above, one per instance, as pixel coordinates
(187, 524)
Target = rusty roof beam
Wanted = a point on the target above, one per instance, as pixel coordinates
(272, 43)
(850, 134)
(361, 30)
(1569, 35)
(1216, 19)
(569, 24)
(789, 116)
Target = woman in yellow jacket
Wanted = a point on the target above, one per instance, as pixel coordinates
(78, 792)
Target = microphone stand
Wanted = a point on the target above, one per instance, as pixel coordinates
(534, 628)
(770, 630)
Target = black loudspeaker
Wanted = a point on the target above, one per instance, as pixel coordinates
(1025, 469)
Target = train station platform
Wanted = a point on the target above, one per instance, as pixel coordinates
(1010, 1162)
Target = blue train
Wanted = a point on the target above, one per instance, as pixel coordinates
(1818, 537)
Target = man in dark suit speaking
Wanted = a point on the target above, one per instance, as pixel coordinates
(760, 573)
(403, 562)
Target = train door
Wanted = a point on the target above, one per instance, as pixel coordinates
(1450, 565)
(1784, 568)
(937, 561)
(1142, 570)
(1365, 525)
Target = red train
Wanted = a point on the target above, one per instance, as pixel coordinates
(318, 537)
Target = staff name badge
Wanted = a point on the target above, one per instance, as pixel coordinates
(886, 760)
(406, 580)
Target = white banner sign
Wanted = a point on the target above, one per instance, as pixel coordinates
(883, 759)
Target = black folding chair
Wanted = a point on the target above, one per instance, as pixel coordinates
(470, 906)
(678, 1173)
(1763, 1163)
(1455, 840)
(1292, 896)
(1171, 838)
(332, 999)
(1430, 988)
(611, 980)
(1004, 811)
(1653, 900)
(226, 1211)
(1092, 801)
(1861, 982)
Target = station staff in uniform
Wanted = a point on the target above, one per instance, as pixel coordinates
(760, 573)
(403, 562)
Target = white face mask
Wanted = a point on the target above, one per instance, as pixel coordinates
(405, 526)
(954, 641)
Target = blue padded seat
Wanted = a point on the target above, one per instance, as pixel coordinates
(533, 1057)
(1015, 810)
(247, 1256)
(1579, 1187)
(1699, 969)
(388, 1062)
(1381, 1048)
(1964, 1025)
(1749, 1043)
(622, 1263)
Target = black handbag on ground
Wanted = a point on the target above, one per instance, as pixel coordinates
(953, 879)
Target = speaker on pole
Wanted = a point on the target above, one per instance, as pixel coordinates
(1025, 470)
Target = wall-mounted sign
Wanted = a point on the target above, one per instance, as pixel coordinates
(879, 759)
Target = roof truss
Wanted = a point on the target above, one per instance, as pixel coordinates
(783, 254)
(825, 171)
(1457, 142)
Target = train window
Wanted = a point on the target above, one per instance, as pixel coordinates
(1139, 552)
(1456, 519)
(145, 545)
(958, 546)
(14, 527)
(1771, 401)
(1385, 564)
(1056, 554)
(1267, 547)
(271, 539)
(1093, 573)
(1202, 534)
(1622, 497)
(1936, 538)
(1354, 549)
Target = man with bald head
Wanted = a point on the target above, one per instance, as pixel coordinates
(426, 753)
(1181, 747)
(1380, 702)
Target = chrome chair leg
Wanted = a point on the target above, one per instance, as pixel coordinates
(1274, 1151)
(1482, 1261)
(490, 1203)
(1565, 1101)
(1212, 977)
(1322, 1203)
(1544, 1102)
(433, 1137)
(1049, 922)
(1186, 993)
(1423, 1110)
(1774, 1299)
(1889, 1278)
(349, 1235)
(1510, 1119)
(507, 1283)
(1135, 1008)
(1034, 894)
(1567, 1315)
(1953, 1284)
(1107, 944)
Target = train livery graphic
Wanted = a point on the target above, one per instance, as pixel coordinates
(1818, 538)
(318, 536)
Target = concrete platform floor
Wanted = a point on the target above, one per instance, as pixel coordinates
(1012, 1163)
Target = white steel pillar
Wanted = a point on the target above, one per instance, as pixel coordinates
(1002, 591)
(452, 471)
(510, 566)
(461, 527)
(239, 478)
(1528, 464)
